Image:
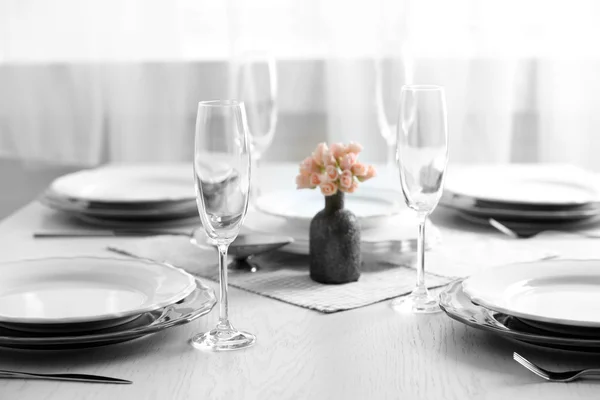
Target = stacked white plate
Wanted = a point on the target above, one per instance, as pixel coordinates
(387, 225)
(126, 194)
(553, 302)
(524, 196)
(50, 302)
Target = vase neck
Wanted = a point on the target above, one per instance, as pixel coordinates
(334, 202)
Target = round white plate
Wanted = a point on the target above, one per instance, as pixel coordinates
(468, 207)
(123, 183)
(397, 234)
(372, 207)
(87, 289)
(160, 210)
(563, 292)
(524, 183)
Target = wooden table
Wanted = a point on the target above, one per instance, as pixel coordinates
(368, 353)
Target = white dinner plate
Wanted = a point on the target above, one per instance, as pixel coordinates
(522, 225)
(125, 183)
(541, 184)
(398, 233)
(151, 211)
(87, 289)
(466, 206)
(563, 292)
(372, 207)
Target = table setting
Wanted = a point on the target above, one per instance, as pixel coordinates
(305, 268)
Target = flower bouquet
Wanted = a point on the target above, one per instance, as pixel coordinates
(334, 239)
(333, 169)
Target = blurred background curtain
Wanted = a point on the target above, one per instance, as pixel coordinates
(87, 82)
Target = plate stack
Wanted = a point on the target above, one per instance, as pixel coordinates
(526, 198)
(63, 303)
(387, 225)
(127, 195)
(551, 303)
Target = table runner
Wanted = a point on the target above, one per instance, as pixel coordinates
(285, 276)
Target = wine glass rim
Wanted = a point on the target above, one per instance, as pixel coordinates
(220, 103)
(422, 87)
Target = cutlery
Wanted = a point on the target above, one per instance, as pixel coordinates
(526, 235)
(62, 377)
(109, 233)
(243, 248)
(565, 376)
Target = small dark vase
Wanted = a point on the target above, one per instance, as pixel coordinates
(334, 243)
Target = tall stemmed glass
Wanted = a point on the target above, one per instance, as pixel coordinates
(389, 78)
(222, 176)
(257, 88)
(422, 148)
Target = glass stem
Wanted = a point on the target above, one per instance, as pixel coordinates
(421, 255)
(223, 303)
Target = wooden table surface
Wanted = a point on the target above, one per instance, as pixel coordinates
(367, 353)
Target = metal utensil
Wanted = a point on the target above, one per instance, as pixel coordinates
(245, 247)
(4, 374)
(109, 233)
(564, 376)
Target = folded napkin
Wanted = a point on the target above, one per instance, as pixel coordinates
(285, 276)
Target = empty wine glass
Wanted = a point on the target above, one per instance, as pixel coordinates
(422, 148)
(222, 176)
(257, 88)
(389, 78)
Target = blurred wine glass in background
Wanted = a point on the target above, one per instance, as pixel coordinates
(390, 76)
(256, 87)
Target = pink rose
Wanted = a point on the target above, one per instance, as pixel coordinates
(328, 158)
(332, 172)
(371, 173)
(315, 180)
(353, 188)
(303, 182)
(359, 169)
(346, 180)
(338, 150)
(308, 166)
(354, 148)
(329, 188)
(348, 161)
(319, 153)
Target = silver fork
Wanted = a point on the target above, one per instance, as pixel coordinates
(565, 376)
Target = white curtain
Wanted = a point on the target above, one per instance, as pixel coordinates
(85, 81)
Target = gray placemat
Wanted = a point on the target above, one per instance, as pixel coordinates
(285, 276)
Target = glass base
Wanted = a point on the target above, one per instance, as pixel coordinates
(420, 301)
(223, 338)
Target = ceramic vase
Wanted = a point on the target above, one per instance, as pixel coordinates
(334, 243)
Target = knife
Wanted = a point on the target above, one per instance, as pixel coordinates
(107, 233)
(62, 377)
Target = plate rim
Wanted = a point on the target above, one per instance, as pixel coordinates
(397, 207)
(513, 166)
(482, 301)
(119, 336)
(454, 288)
(57, 185)
(559, 215)
(104, 317)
